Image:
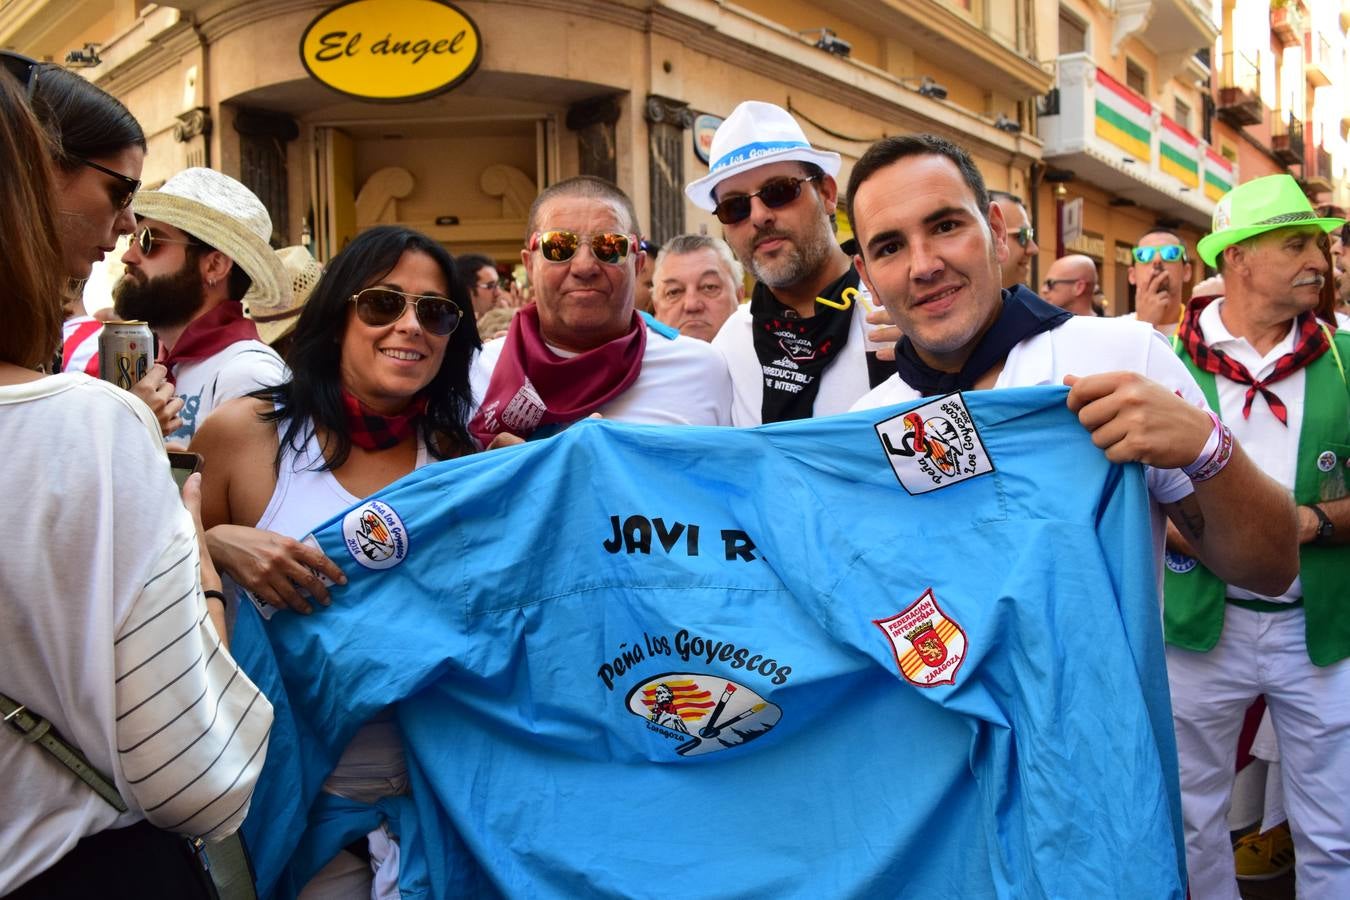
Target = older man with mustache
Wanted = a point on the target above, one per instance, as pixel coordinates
(1275, 374)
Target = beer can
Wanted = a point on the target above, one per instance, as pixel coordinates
(124, 350)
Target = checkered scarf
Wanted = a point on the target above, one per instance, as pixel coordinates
(1310, 342)
(371, 431)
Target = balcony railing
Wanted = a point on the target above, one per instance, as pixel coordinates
(1239, 101)
(1286, 23)
(1286, 138)
(1125, 142)
(1317, 59)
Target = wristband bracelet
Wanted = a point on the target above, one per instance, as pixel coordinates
(1218, 450)
(217, 595)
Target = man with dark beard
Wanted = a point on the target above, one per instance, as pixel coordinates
(799, 348)
(200, 246)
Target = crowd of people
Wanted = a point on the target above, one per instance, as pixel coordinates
(395, 356)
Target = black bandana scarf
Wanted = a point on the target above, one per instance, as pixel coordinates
(794, 352)
(1023, 315)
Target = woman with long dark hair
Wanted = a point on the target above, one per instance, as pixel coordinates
(97, 149)
(106, 632)
(379, 387)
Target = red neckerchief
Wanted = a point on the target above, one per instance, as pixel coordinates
(207, 335)
(531, 386)
(1310, 342)
(371, 431)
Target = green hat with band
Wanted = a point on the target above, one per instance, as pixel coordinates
(1260, 205)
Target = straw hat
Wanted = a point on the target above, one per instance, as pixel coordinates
(1260, 205)
(303, 270)
(755, 134)
(221, 212)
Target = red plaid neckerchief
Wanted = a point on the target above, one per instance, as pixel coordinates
(1310, 342)
(535, 392)
(207, 335)
(371, 431)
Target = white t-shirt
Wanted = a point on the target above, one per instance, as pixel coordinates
(843, 382)
(683, 381)
(104, 631)
(1169, 329)
(204, 384)
(1087, 345)
(1272, 446)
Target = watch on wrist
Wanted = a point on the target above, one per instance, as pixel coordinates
(1325, 527)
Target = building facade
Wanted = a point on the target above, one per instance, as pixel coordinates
(613, 88)
(1145, 111)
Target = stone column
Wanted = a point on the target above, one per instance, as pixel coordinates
(667, 122)
(194, 130)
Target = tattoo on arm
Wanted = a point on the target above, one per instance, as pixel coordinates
(1188, 518)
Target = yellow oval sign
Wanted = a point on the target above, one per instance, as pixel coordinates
(391, 50)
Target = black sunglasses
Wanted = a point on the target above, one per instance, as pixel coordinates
(127, 188)
(24, 69)
(773, 194)
(378, 307)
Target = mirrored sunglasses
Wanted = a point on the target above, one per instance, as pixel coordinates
(378, 307)
(1025, 235)
(146, 242)
(1168, 252)
(560, 246)
(774, 194)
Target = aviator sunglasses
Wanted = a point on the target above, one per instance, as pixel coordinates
(146, 242)
(775, 193)
(1168, 252)
(1024, 235)
(559, 246)
(378, 307)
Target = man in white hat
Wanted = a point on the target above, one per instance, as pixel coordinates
(200, 247)
(1276, 375)
(799, 348)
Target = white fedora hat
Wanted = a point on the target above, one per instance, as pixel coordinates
(221, 212)
(755, 134)
(275, 322)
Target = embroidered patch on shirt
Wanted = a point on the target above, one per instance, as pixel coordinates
(375, 535)
(934, 446)
(928, 646)
(1179, 563)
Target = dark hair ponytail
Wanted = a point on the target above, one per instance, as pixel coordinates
(83, 120)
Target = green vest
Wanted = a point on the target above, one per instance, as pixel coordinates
(1193, 597)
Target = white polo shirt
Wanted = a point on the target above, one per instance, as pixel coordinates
(1271, 445)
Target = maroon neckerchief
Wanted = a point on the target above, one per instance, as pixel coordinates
(532, 387)
(1310, 342)
(371, 431)
(207, 335)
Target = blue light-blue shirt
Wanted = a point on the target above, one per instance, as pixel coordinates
(638, 661)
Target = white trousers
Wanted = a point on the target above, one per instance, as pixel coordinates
(1264, 653)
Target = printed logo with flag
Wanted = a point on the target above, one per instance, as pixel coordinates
(712, 712)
